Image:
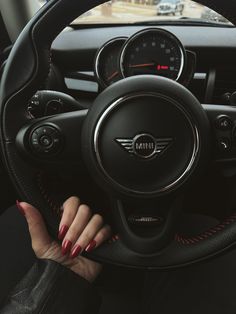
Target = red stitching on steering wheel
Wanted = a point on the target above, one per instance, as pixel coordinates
(47, 197)
(207, 234)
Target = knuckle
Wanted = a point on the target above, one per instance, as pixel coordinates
(69, 210)
(69, 214)
(105, 232)
(39, 252)
(73, 200)
(86, 238)
(98, 219)
(85, 210)
(102, 235)
(72, 233)
(108, 229)
(67, 218)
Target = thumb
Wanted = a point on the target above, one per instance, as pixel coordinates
(37, 228)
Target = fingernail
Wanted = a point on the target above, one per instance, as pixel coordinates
(62, 232)
(91, 246)
(20, 208)
(66, 247)
(76, 251)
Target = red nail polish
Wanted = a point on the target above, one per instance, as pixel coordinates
(91, 246)
(62, 232)
(66, 247)
(20, 208)
(76, 251)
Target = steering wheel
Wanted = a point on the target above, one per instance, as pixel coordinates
(144, 140)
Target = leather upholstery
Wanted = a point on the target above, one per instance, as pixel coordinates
(51, 288)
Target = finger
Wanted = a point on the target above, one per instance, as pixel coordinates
(37, 228)
(70, 208)
(80, 222)
(103, 235)
(87, 236)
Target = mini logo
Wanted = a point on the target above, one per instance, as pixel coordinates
(144, 145)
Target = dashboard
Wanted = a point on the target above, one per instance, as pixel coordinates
(200, 57)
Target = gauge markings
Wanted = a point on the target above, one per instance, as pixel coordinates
(141, 51)
(106, 62)
(148, 52)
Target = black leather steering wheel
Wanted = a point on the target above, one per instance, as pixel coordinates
(144, 140)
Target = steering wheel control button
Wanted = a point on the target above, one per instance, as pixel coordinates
(145, 145)
(45, 140)
(53, 107)
(224, 145)
(223, 123)
(34, 105)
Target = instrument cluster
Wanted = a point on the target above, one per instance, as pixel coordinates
(151, 51)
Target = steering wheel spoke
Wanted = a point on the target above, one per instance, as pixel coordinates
(146, 225)
(54, 139)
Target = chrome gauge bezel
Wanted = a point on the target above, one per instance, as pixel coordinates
(98, 57)
(144, 32)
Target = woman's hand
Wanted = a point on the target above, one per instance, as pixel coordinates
(79, 230)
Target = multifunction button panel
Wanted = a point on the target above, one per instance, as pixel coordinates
(45, 140)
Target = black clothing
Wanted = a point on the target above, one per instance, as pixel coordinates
(51, 288)
(119, 288)
(206, 288)
(17, 256)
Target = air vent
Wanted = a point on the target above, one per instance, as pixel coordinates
(198, 85)
(225, 85)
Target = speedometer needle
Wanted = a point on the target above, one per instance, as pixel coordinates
(143, 65)
(113, 75)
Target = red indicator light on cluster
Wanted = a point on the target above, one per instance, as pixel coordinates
(162, 67)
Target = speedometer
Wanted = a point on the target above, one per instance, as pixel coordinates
(153, 52)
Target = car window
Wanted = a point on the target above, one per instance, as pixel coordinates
(169, 1)
(131, 11)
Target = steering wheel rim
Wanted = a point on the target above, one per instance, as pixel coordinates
(31, 57)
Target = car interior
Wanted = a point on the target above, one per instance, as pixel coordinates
(138, 99)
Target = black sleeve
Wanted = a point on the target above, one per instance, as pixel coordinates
(50, 288)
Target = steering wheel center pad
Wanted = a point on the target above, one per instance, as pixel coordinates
(144, 136)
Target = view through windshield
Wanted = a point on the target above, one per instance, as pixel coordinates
(130, 11)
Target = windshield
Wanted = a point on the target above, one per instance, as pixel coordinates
(169, 1)
(131, 11)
